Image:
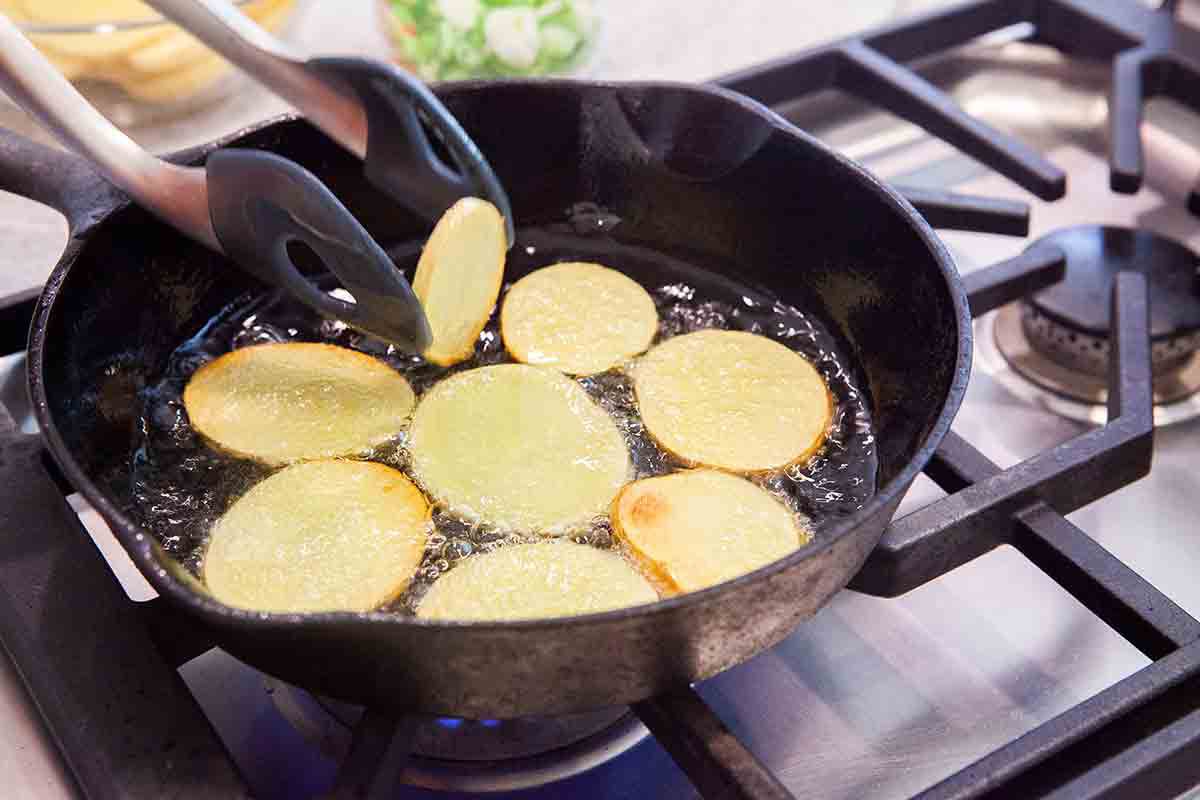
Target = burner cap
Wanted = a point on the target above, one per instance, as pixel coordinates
(1054, 347)
(1080, 302)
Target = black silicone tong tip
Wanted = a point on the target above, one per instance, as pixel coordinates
(261, 204)
(400, 159)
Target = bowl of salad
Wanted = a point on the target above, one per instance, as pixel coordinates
(442, 40)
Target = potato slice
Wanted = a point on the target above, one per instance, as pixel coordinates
(270, 14)
(169, 86)
(298, 400)
(72, 68)
(577, 317)
(319, 536)
(177, 49)
(458, 277)
(99, 48)
(73, 12)
(531, 581)
(697, 528)
(733, 400)
(102, 44)
(521, 447)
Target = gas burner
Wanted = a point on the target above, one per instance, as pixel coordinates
(473, 755)
(1057, 341)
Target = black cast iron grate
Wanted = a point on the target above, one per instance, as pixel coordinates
(1152, 54)
(109, 689)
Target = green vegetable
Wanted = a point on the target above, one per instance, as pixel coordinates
(454, 39)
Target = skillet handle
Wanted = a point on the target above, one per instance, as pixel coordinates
(55, 178)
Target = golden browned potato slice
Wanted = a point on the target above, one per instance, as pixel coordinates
(697, 528)
(319, 536)
(289, 402)
(522, 447)
(577, 317)
(732, 399)
(458, 277)
(530, 581)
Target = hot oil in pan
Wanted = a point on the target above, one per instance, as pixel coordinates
(181, 486)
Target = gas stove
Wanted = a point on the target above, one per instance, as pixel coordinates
(991, 646)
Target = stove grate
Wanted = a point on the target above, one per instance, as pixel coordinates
(1152, 55)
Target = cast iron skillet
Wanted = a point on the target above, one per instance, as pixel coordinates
(684, 167)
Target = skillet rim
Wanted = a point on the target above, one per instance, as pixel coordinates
(140, 545)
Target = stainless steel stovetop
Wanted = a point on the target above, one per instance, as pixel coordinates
(873, 698)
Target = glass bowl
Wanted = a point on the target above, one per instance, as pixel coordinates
(456, 39)
(127, 61)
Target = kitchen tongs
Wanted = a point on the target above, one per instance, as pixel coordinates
(375, 110)
(247, 204)
(252, 205)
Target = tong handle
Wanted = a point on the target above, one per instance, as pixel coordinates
(242, 42)
(178, 194)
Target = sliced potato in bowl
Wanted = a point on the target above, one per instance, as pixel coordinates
(698, 528)
(326, 535)
(178, 49)
(733, 400)
(164, 86)
(279, 403)
(458, 277)
(554, 578)
(577, 317)
(74, 12)
(99, 50)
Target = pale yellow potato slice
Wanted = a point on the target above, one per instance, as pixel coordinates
(92, 46)
(577, 317)
(458, 277)
(270, 14)
(733, 400)
(522, 447)
(172, 52)
(319, 536)
(697, 528)
(72, 12)
(174, 85)
(99, 48)
(298, 400)
(555, 578)
(71, 67)
(178, 49)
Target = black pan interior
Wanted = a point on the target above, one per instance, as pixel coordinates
(684, 169)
